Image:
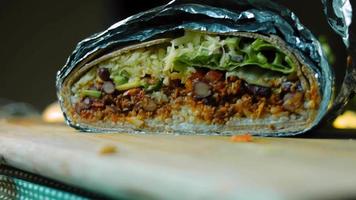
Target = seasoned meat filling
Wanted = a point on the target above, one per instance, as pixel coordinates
(195, 81)
(215, 98)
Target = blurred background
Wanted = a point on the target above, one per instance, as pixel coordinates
(38, 36)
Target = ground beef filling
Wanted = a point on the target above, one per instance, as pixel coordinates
(212, 98)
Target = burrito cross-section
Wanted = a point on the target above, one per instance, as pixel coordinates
(195, 81)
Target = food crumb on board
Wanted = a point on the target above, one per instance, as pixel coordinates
(242, 138)
(108, 149)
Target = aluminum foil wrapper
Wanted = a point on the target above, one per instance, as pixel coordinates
(340, 18)
(257, 16)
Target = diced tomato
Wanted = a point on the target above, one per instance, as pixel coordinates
(213, 76)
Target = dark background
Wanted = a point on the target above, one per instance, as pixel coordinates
(37, 37)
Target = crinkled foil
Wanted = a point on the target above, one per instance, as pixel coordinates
(223, 16)
(339, 16)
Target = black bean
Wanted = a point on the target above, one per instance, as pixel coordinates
(104, 74)
(211, 101)
(299, 87)
(175, 83)
(258, 90)
(286, 86)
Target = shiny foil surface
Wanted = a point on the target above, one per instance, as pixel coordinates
(339, 15)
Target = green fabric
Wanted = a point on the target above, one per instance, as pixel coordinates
(13, 188)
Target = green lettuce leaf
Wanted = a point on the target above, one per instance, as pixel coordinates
(229, 54)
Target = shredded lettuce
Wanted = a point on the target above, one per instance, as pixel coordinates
(132, 84)
(258, 76)
(84, 80)
(91, 93)
(199, 50)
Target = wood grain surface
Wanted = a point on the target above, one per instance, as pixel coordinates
(182, 167)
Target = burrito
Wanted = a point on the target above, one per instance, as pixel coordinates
(195, 76)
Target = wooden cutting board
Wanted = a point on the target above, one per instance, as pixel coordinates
(182, 167)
